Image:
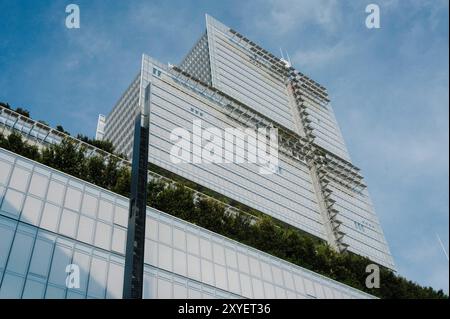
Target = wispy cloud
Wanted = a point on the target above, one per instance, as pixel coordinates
(295, 15)
(322, 57)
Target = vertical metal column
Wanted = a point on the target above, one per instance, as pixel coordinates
(134, 257)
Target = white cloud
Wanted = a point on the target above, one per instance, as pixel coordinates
(294, 15)
(321, 57)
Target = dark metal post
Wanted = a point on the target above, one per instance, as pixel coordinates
(134, 257)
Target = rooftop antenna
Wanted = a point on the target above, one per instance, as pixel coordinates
(287, 62)
(288, 58)
(282, 56)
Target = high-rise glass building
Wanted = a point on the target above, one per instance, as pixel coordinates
(51, 222)
(226, 80)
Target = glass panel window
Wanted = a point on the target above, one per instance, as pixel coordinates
(277, 275)
(50, 217)
(165, 233)
(193, 267)
(6, 237)
(221, 277)
(219, 253)
(55, 293)
(103, 235)
(192, 244)
(254, 267)
(97, 279)
(31, 212)
(319, 291)
(12, 202)
(11, 287)
(86, 229)
(151, 252)
(266, 273)
(5, 169)
(280, 293)
(149, 286)
(231, 258)
(42, 254)
(194, 294)
(328, 292)
(205, 248)
(290, 294)
(269, 290)
(179, 240)
(33, 290)
(207, 272)
(121, 216)
(288, 280)
(119, 240)
(151, 229)
(258, 290)
(299, 285)
(73, 199)
(89, 206)
(74, 295)
(243, 262)
(179, 266)
(309, 288)
(337, 294)
(115, 281)
(179, 291)
(233, 281)
(105, 211)
(68, 223)
(55, 192)
(246, 285)
(165, 257)
(21, 253)
(62, 257)
(83, 261)
(19, 179)
(164, 289)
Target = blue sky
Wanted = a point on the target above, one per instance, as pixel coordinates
(389, 86)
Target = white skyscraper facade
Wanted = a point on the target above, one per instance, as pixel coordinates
(226, 80)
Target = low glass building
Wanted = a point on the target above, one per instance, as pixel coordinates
(51, 221)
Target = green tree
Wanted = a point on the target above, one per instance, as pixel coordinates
(65, 157)
(178, 201)
(238, 226)
(105, 145)
(210, 214)
(5, 105)
(23, 112)
(123, 182)
(61, 129)
(95, 171)
(16, 144)
(111, 172)
(267, 237)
